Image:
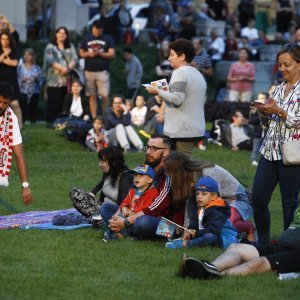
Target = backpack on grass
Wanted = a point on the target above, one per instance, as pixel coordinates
(86, 204)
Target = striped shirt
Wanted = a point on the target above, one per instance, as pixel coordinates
(280, 130)
(202, 61)
(238, 70)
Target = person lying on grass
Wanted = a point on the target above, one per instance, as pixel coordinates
(138, 198)
(207, 222)
(244, 259)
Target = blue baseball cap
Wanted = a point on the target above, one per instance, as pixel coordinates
(207, 184)
(144, 170)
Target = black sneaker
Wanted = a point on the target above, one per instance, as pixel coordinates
(210, 265)
(201, 269)
(181, 271)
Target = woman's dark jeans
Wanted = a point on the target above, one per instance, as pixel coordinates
(268, 175)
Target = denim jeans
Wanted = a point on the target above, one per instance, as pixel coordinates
(107, 210)
(143, 227)
(159, 127)
(204, 240)
(268, 175)
(255, 149)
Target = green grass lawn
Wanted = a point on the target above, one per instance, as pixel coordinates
(78, 265)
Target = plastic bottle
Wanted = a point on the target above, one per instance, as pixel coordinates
(284, 276)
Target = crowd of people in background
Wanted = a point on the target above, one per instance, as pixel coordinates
(198, 195)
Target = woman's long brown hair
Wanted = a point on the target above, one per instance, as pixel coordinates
(184, 172)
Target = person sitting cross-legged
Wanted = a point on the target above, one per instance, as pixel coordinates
(206, 225)
(238, 133)
(117, 120)
(138, 198)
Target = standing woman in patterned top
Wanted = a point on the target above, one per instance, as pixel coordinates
(59, 58)
(30, 81)
(282, 111)
(240, 77)
(9, 60)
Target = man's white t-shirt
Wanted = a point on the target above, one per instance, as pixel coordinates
(17, 138)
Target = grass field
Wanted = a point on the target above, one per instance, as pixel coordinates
(78, 265)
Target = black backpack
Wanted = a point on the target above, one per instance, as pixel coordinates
(76, 130)
(86, 204)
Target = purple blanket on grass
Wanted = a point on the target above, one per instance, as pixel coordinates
(31, 217)
(51, 226)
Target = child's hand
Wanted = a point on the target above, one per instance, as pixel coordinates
(189, 234)
(100, 137)
(126, 212)
(193, 233)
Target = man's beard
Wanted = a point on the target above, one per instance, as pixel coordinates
(153, 163)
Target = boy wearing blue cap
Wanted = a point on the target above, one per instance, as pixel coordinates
(138, 198)
(205, 224)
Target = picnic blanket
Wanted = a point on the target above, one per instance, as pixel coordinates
(50, 226)
(31, 217)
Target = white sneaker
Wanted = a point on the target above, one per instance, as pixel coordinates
(126, 149)
(254, 163)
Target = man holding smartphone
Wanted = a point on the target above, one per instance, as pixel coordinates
(97, 49)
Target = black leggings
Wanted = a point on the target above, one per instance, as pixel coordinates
(29, 107)
(55, 101)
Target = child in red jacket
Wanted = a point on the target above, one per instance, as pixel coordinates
(138, 198)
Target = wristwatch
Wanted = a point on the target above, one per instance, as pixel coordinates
(126, 223)
(25, 184)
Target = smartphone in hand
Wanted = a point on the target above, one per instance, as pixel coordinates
(260, 101)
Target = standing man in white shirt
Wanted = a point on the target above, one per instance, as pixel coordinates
(11, 143)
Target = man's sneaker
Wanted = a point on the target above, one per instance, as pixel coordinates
(175, 244)
(181, 270)
(201, 269)
(254, 163)
(210, 265)
(109, 236)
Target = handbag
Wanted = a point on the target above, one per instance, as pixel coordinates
(73, 74)
(291, 153)
(86, 204)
